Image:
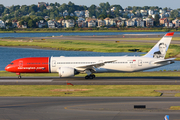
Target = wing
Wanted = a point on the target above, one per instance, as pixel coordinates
(95, 65)
(171, 60)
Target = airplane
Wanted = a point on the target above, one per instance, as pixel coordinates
(71, 66)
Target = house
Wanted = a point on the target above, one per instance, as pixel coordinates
(42, 3)
(86, 14)
(79, 13)
(2, 25)
(101, 23)
(162, 21)
(41, 24)
(176, 22)
(150, 12)
(69, 23)
(92, 23)
(51, 24)
(107, 21)
(46, 17)
(139, 23)
(65, 13)
(49, 7)
(161, 11)
(120, 23)
(162, 15)
(14, 23)
(81, 23)
(168, 25)
(149, 22)
(24, 26)
(71, 14)
(113, 9)
(130, 23)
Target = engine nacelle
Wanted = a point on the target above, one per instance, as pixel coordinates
(67, 72)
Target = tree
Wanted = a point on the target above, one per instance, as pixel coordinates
(57, 4)
(129, 8)
(31, 23)
(92, 10)
(156, 21)
(33, 8)
(102, 5)
(1, 8)
(145, 7)
(174, 14)
(42, 7)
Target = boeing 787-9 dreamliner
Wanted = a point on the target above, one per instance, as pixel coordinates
(71, 66)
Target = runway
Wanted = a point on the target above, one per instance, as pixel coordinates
(87, 108)
(96, 81)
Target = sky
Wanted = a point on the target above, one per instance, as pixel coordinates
(174, 4)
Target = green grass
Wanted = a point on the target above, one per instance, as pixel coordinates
(94, 46)
(175, 108)
(92, 90)
(134, 74)
(158, 38)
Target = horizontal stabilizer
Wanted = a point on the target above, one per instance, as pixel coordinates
(171, 60)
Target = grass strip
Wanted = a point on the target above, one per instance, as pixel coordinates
(94, 46)
(85, 90)
(175, 108)
(134, 74)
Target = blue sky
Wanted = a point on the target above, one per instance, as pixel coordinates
(174, 4)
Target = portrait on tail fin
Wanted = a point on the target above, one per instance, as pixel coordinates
(162, 51)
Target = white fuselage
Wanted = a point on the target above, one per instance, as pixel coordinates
(122, 64)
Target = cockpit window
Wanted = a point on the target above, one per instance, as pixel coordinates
(11, 63)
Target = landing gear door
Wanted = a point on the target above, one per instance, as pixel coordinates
(53, 63)
(139, 62)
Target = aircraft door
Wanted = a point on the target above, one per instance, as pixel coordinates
(139, 62)
(20, 63)
(53, 63)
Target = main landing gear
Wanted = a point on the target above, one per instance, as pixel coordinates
(92, 76)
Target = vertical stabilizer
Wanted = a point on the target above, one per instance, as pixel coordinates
(160, 49)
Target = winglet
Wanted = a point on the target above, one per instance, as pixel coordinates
(170, 34)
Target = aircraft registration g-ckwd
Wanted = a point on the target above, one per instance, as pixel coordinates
(71, 66)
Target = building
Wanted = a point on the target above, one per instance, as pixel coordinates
(2, 25)
(42, 3)
(86, 14)
(41, 24)
(176, 23)
(65, 13)
(101, 23)
(130, 23)
(69, 23)
(162, 21)
(149, 22)
(92, 23)
(79, 13)
(51, 24)
(139, 23)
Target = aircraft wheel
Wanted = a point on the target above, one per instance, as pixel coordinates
(91, 77)
(19, 77)
(87, 77)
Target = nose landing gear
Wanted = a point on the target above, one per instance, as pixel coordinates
(19, 75)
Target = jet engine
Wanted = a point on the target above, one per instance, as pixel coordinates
(67, 72)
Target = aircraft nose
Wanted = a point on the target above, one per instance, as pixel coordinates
(7, 68)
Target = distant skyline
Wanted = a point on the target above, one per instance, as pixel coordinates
(174, 4)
